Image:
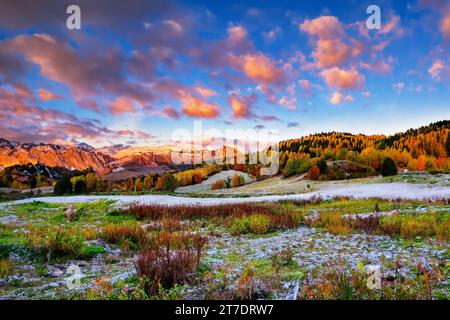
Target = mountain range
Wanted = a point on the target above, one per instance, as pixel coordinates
(431, 140)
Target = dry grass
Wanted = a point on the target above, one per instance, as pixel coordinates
(337, 281)
(169, 259)
(126, 236)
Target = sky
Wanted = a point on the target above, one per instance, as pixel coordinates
(138, 70)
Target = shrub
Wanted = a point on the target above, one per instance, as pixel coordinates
(334, 223)
(71, 213)
(238, 180)
(322, 165)
(296, 166)
(138, 185)
(6, 267)
(314, 173)
(166, 182)
(411, 226)
(219, 184)
(170, 259)
(256, 224)
(240, 226)
(79, 186)
(130, 236)
(259, 224)
(388, 167)
(59, 241)
(149, 182)
(196, 178)
(282, 258)
(91, 182)
(63, 186)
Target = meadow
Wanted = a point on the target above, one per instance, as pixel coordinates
(309, 249)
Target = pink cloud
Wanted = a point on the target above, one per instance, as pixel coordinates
(306, 87)
(392, 26)
(170, 112)
(237, 34)
(205, 92)
(329, 37)
(445, 26)
(26, 123)
(45, 95)
(87, 74)
(324, 27)
(196, 107)
(258, 68)
(242, 105)
(343, 79)
(437, 69)
(121, 105)
(271, 35)
(290, 100)
(377, 67)
(338, 98)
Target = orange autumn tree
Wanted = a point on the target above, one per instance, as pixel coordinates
(314, 173)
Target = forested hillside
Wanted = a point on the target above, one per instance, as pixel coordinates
(425, 148)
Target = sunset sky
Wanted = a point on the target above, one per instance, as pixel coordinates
(137, 70)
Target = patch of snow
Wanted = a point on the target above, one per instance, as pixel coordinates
(390, 191)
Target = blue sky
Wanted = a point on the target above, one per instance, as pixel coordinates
(136, 71)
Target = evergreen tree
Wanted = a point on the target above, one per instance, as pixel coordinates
(388, 167)
(79, 187)
(63, 186)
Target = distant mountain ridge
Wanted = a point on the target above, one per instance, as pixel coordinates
(52, 155)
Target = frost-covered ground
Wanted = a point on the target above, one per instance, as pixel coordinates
(311, 248)
(391, 191)
(206, 184)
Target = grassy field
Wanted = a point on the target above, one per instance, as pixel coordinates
(288, 250)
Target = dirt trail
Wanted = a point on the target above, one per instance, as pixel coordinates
(374, 190)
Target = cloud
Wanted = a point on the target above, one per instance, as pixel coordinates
(329, 37)
(377, 66)
(439, 70)
(170, 112)
(237, 34)
(258, 68)
(174, 25)
(205, 92)
(198, 108)
(45, 95)
(242, 105)
(445, 26)
(121, 105)
(392, 26)
(88, 73)
(306, 87)
(293, 124)
(343, 79)
(101, 14)
(272, 34)
(325, 27)
(267, 118)
(290, 100)
(399, 86)
(23, 122)
(338, 98)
